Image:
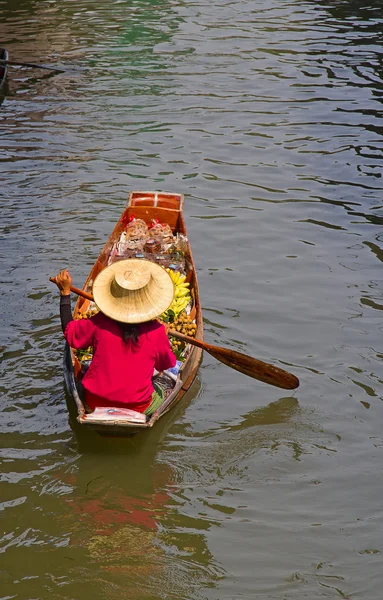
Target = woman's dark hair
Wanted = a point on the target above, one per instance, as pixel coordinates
(130, 332)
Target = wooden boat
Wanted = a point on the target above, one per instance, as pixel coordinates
(167, 208)
(3, 68)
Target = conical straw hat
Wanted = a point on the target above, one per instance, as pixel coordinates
(133, 290)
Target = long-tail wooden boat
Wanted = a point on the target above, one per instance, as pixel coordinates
(148, 206)
(3, 67)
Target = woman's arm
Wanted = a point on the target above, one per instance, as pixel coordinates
(63, 282)
(65, 311)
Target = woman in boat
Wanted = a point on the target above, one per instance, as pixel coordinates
(127, 343)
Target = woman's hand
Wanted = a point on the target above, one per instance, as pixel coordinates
(64, 282)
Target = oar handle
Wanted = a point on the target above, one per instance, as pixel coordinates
(75, 290)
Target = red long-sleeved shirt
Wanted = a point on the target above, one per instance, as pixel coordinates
(120, 373)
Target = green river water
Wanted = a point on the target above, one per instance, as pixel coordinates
(267, 115)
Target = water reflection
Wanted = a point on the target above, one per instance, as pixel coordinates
(129, 509)
(114, 515)
(125, 514)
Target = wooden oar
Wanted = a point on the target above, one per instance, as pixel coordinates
(33, 65)
(257, 369)
(76, 290)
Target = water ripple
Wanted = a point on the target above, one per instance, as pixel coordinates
(268, 117)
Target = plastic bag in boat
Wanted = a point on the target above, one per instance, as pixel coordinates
(173, 371)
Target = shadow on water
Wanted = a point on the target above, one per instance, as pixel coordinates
(281, 411)
(353, 8)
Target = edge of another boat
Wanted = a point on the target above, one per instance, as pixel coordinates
(3, 68)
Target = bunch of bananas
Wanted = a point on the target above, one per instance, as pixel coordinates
(182, 295)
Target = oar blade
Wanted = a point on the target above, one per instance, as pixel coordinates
(254, 368)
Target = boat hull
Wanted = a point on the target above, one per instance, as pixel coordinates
(168, 208)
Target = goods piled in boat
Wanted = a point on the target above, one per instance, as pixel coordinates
(92, 310)
(182, 297)
(184, 325)
(156, 242)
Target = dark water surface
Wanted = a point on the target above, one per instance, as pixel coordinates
(268, 117)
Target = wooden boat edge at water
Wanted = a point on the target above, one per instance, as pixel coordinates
(3, 68)
(168, 208)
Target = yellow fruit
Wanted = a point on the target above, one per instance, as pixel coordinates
(181, 292)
